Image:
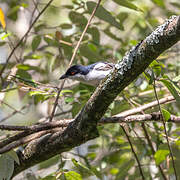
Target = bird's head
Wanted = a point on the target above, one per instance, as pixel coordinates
(76, 72)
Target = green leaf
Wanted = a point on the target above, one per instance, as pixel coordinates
(122, 17)
(78, 19)
(26, 80)
(114, 171)
(66, 91)
(95, 34)
(6, 167)
(66, 26)
(14, 156)
(89, 52)
(50, 41)
(172, 90)
(166, 114)
(160, 155)
(3, 36)
(160, 3)
(27, 67)
(82, 168)
(69, 99)
(127, 4)
(34, 56)
(13, 12)
(35, 42)
(23, 74)
(103, 14)
(111, 35)
(72, 175)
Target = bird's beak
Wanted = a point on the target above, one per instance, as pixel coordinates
(63, 76)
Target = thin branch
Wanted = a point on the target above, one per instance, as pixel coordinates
(30, 22)
(11, 107)
(73, 56)
(164, 124)
(168, 99)
(153, 150)
(13, 113)
(133, 151)
(148, 138)
(37, 127)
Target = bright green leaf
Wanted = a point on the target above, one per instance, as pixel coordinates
(72, 175)
(160, 155)
(114, 171)
(166, 114)
(160, 3)
(69, 99)
(3, 36)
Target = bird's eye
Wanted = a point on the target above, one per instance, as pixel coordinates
(72, 73)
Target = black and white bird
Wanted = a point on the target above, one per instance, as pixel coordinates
(91, 74)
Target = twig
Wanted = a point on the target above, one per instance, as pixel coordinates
(72, 58)
(37, 127)
(147, 106)
(148, 138)
(164, 124)
(135, 155)
(21, 40)
(30, 22)
(13, 113)
(152, 149)
(11, 107)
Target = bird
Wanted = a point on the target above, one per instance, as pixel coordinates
(91, 74)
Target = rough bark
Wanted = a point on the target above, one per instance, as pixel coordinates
(84, 126)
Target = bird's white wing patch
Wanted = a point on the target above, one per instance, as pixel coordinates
(104, 66)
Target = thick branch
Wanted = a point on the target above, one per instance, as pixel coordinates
(84, 126)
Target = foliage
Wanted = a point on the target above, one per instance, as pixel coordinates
(31, 77)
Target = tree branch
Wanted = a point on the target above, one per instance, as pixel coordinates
(84, 126)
